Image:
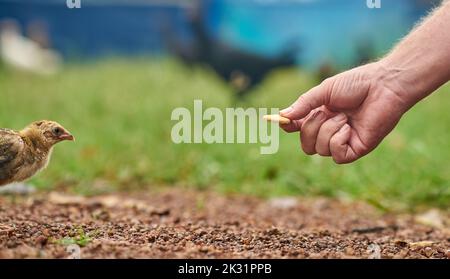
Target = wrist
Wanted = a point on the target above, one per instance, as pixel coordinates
(405, 81)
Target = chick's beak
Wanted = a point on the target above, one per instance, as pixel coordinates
(67, 136)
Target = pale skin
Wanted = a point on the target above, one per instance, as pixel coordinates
(348, 115)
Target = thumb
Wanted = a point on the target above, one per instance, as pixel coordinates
(312, 99)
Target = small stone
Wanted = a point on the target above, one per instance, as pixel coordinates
(349, 251)
(41, 240)
(11, 244)
(204, 249)
(374, 250)
(420, 244)
(401, 255)
(401, 243)
(273, 231)
(428, 251)
(151, 238)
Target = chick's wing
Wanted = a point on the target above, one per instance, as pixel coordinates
(10, 146)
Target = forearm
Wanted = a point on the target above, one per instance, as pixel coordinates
(420, 64)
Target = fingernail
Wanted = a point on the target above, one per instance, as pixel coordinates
(286, 111)
(346, 127)
(340, 117)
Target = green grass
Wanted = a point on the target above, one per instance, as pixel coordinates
(79, 237)
(119, 110)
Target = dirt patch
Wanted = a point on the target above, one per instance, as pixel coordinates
(183, 224)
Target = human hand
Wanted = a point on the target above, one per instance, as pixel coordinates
(348, 115)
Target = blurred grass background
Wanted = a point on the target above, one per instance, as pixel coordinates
(119, 110)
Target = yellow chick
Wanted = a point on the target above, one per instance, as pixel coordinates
(24, 153)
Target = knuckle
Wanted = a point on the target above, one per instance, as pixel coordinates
(339, 160)
(322, 151)
(328, 82)
(322, 146)
(335, 145)
(323, 154)
(339, 157)
(307, 148)
(301, 100)
(331, 127)
(308, 151)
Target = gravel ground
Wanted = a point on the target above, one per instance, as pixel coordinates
(186, 224)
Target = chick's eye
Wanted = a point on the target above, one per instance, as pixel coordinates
(57, 131)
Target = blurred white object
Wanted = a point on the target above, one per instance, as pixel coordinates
(17, 189)
(283, 202)
(431, 218)
(74, 252)
(375, 251)
(22, 53)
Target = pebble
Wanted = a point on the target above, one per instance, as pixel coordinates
(428, 251)
(41, 240)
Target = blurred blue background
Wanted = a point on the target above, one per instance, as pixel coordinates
(115, 70)
(338, 32)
